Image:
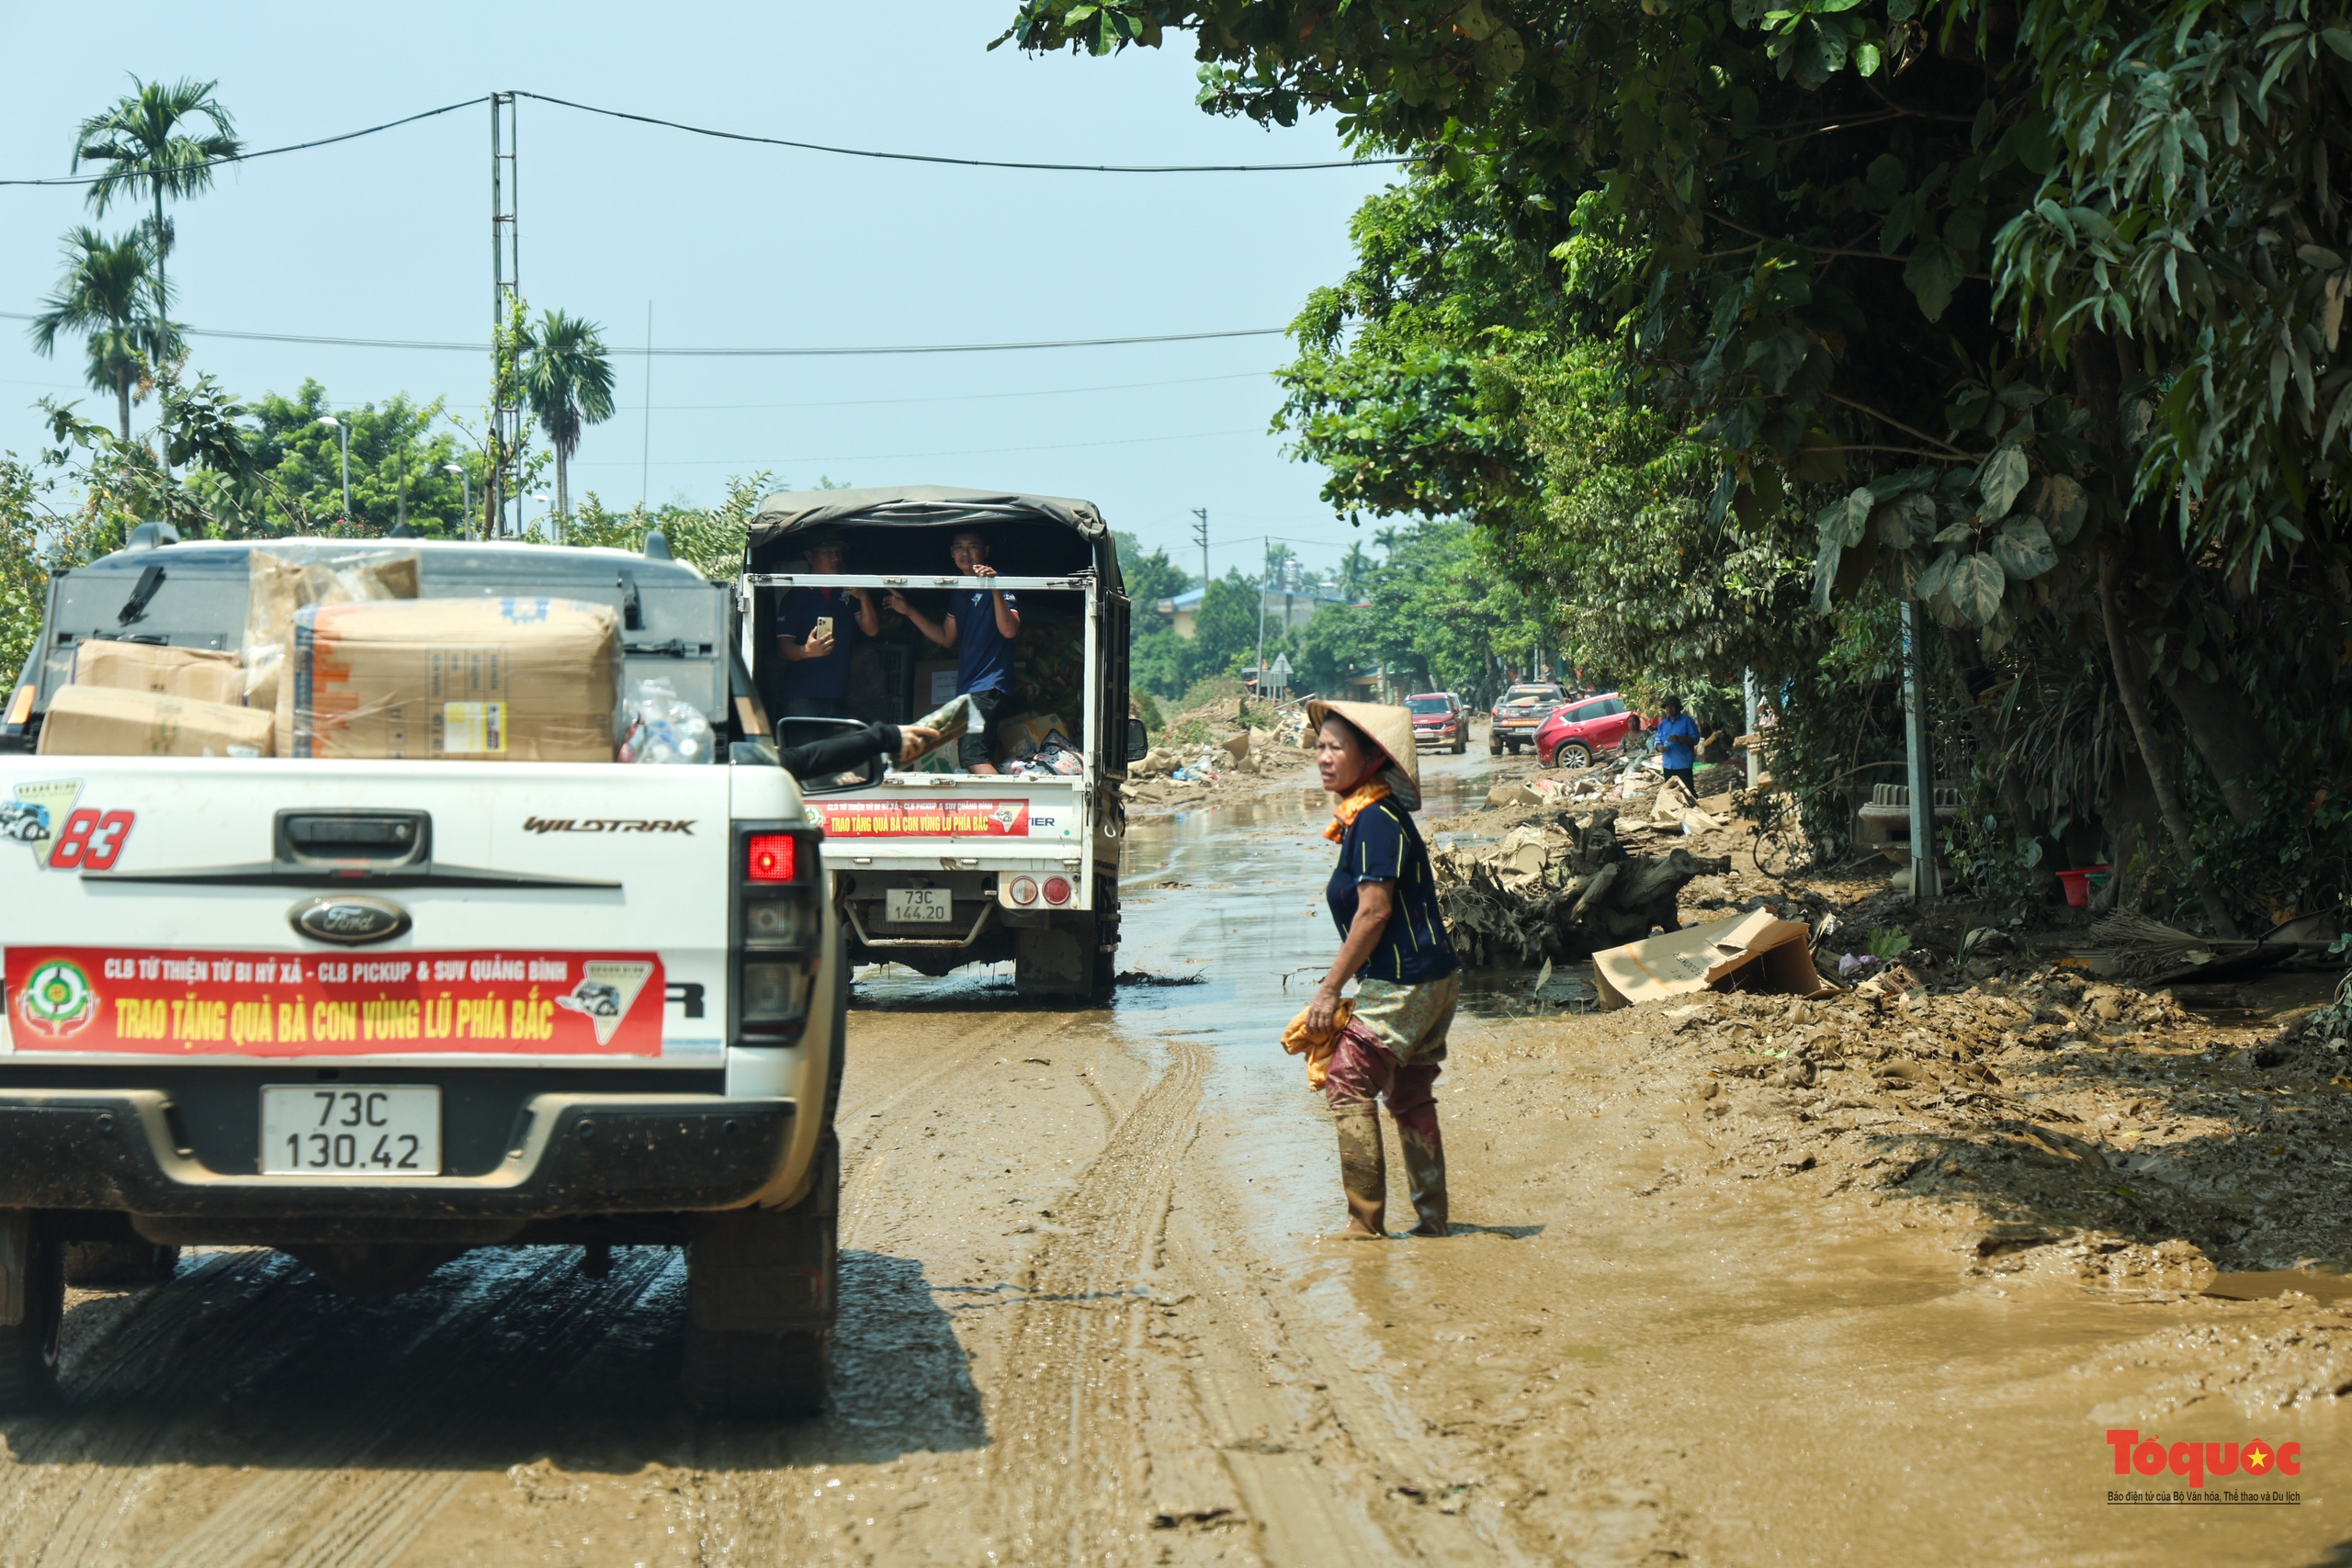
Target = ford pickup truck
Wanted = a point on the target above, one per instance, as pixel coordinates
(374, 1014)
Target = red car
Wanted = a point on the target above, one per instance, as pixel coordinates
(1437, 720)
(1582, 731)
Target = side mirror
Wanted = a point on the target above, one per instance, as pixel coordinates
(856, 771)
(1138, 740)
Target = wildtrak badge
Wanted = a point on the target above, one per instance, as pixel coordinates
(606, 824)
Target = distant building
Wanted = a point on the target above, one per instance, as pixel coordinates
(1285, 608)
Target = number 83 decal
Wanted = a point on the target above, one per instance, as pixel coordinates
(92, 839)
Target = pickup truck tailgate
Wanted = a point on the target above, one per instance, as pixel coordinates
(256, 910)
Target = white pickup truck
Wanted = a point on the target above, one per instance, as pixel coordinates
(937, 869)
(376, 1014)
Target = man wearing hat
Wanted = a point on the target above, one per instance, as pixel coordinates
(1392, 1033)
(814, 636)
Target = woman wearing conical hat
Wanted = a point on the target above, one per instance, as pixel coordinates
(1392, 1033)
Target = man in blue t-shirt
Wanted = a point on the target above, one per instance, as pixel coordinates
(1678, 739)
(813, 636)
(980, 626)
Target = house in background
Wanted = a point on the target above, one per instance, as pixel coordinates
(1286, 607)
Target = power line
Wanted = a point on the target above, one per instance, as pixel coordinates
(974, 163)
(951, 398)
(768, 141)
(959, 451)
(722, 353)
(266, 152)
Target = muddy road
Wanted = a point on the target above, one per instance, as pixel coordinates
(1089, 1316)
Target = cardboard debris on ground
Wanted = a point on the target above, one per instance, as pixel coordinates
(108, 721)
(473, 679)
(198, 674)
(1756, 951)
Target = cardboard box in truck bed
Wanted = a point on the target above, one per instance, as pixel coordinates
(472, 680)
(106, 721)
(199, 674)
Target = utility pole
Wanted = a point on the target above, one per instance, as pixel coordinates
(1918, 764)
(1754, 760)
(505, 270)
(1200, 532)
(1265, 557)
(645, 457)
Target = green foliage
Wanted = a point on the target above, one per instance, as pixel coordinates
(1888, 944)
(108, 294)
(709, 539)
(567, 384)
(293, 481)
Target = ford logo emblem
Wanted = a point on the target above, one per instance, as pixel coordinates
(348, 920)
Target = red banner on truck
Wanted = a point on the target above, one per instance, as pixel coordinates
(132, 1001)
(924, 819)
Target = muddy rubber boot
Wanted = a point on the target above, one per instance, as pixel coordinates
(1424, 1156)
(1364, 1171)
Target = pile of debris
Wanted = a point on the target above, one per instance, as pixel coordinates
(1559, 888)
(1172, 774)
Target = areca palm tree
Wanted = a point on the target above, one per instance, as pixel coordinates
(149, 143)
(567, 380)
(107, 294)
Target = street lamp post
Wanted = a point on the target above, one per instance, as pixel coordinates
(466, 491)
(343, 434)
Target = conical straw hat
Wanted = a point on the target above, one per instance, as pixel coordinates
(1388, 727)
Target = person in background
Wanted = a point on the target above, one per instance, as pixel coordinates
(1678, 739)
(980, 626)
(1383, 900)
(813, 634)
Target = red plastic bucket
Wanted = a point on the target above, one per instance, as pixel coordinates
(2078, 884)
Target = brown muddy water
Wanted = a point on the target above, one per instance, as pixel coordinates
(1091, 1316)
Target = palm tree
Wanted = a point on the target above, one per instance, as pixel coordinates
(144, 140)
(105, 296)
(568, 379)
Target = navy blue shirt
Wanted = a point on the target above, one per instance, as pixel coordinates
(983, 654)
(1381, 845)
(797, 616)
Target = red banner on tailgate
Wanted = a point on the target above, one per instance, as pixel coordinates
(134, 1001)
(924, 819)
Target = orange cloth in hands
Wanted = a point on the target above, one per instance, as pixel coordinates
(1299, 1040)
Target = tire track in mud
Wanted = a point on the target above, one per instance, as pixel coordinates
(341, 1508)
(78, 1472)
(1086, 1460)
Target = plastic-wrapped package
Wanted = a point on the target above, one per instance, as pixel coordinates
(659, 726)
(462, 680)
(286, 579)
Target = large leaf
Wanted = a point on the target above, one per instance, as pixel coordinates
(2003, 475)
(1931, 581)
(1974, 588)
(2061, 506)
(1934, 270)
(2023, 547)
(1825, 574)
(1842, 522)
(1905, 521)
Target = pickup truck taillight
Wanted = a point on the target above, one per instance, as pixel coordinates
(778, 921)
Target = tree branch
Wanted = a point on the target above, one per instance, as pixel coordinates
(1886, 418)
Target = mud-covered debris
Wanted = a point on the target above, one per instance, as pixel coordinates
(1559, 888)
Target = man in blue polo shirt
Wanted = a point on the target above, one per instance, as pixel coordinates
(1678, 739)
(980, 626)
(814, 633)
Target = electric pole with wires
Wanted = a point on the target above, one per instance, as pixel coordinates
(506, 292)
(1200, 532)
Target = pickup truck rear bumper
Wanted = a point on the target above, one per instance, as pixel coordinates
(113, 1149)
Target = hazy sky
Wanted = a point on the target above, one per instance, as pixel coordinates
(387, 237)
